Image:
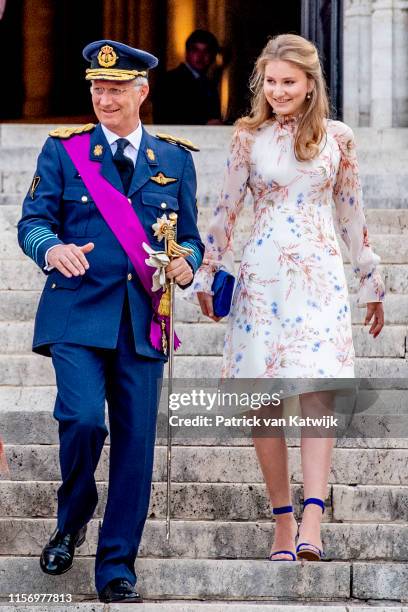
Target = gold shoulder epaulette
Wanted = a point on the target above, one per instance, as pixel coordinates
(67, 132)
(182, 142)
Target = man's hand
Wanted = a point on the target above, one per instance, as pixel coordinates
(376, 310)
(206, 303)
(179, 269)
(69, 259)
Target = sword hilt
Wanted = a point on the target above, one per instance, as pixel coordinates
(169, 231)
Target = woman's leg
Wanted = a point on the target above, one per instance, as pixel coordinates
(272, 455)
(316, 455)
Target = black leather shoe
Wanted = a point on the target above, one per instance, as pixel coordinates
(57, 556)
(119, 590)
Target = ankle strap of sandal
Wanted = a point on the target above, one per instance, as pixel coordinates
(282, 510)
(314, 500)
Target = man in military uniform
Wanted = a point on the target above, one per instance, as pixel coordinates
(95, 195)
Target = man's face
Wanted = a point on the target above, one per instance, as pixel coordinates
(199, 57)
(117, 104)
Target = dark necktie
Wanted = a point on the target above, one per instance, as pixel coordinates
(124, 164)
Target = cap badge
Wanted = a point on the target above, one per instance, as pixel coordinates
(98, 150)
(161, 179)
(107, 56)
(150, 154)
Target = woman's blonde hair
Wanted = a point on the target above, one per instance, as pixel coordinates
(303, 54)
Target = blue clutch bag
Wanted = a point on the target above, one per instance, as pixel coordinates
(223, 288)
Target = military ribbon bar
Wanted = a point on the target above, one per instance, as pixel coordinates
(124, 223)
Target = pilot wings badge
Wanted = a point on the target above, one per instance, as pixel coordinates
(163, 180)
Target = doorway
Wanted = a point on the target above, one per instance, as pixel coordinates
(249, 26)
(45, 39)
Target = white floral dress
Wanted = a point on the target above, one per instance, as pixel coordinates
(290, 315)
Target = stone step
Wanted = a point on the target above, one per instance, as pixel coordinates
(221, 464)
(21, 306)
(189, 605)
(26, 418)
(367, 138)
(190, 501)
(391, 248)
(379, 221)
(219, 540)
(219, 501)
(24, 275)
(224, 579)
(208, 194)
(370, 140)
(370, 145)
(208, 339)
(11, 201)
(212, 159)
(34, 370)
(379, 190)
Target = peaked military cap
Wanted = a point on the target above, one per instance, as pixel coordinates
(115, 61)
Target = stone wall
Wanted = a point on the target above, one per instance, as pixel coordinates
(376, 63)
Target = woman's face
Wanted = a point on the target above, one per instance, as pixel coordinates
(286, 87)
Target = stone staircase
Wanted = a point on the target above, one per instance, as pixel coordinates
(221, 531)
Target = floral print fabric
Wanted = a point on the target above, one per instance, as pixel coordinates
(290, 315)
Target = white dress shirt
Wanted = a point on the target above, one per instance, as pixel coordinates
(134, 139)
(195, 73)
(131, 151)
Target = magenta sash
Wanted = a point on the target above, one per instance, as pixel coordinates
(124, 223)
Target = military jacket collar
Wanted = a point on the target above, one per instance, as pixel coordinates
(134, 139)
(146, 162)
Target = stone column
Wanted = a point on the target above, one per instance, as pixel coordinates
(382, 64)
(365, 76)
(38, 65)
(357, 62)
(400, 67)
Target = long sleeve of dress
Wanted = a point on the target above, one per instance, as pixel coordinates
(347, 195)
(219, 253)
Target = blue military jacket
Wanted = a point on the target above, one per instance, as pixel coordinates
(58, 209)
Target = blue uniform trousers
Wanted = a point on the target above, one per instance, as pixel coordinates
(131, 385)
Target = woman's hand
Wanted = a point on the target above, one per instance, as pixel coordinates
(206, 303)
(376, 310)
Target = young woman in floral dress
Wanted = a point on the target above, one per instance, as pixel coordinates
(290, 315)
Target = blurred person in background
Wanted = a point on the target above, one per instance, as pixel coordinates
(186, 95)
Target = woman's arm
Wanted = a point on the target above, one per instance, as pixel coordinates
(347, 195)
(219, 253)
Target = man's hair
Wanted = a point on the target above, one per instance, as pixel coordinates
(204, 37)
(140, 81)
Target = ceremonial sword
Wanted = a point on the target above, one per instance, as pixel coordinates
(167, 228)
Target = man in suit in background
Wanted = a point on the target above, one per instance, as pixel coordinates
(96, 193)
(186, 95)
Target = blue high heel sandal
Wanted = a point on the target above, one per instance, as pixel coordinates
(305, 550)
(283, 510)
